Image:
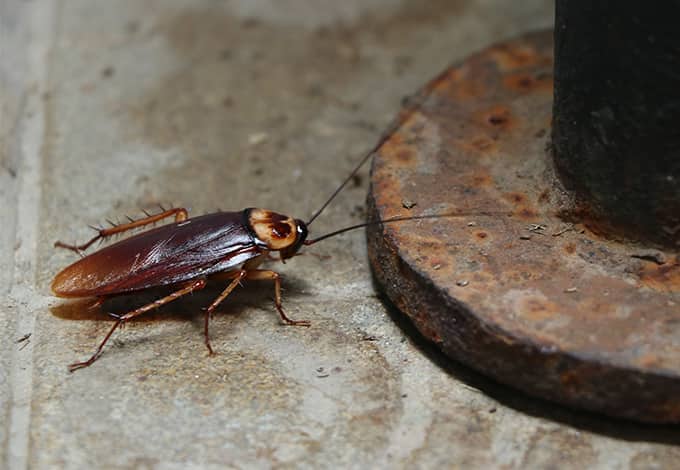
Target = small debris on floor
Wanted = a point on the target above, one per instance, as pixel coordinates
(408, 204)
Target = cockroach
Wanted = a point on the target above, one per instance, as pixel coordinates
(187, 252)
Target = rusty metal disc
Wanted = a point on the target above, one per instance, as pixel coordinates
(511, 287)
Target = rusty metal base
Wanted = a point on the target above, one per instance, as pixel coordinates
(532, 299)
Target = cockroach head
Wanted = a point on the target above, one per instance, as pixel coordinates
(301, 236)
(278, 232)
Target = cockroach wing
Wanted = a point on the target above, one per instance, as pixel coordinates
(165, 255)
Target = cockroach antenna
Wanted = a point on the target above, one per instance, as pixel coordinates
(405, 218)
(384, 138)
(356, 169)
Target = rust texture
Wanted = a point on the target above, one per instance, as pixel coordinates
(533, 300)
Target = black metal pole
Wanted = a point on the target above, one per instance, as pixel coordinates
(616, 129)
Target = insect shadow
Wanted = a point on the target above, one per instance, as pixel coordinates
(189, 308)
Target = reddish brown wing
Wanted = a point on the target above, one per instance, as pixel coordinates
(164, 255)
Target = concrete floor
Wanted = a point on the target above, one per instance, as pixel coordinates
(112, 107)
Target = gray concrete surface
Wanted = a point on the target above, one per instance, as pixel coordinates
(109, 107)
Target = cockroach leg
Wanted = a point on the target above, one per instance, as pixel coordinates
(179, 213)
(237, 276)
(193, 286)
(266, 275)
(98, 302)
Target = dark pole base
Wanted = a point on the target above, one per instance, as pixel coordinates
(616, 132)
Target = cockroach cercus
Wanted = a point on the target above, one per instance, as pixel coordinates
(186, 253)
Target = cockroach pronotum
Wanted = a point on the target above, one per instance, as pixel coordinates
(186, 253)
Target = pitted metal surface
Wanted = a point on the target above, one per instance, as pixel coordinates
(514, 287)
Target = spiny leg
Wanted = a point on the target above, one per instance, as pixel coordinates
(267, 275)
(179, 213)
(193, 286)
(236, 276)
